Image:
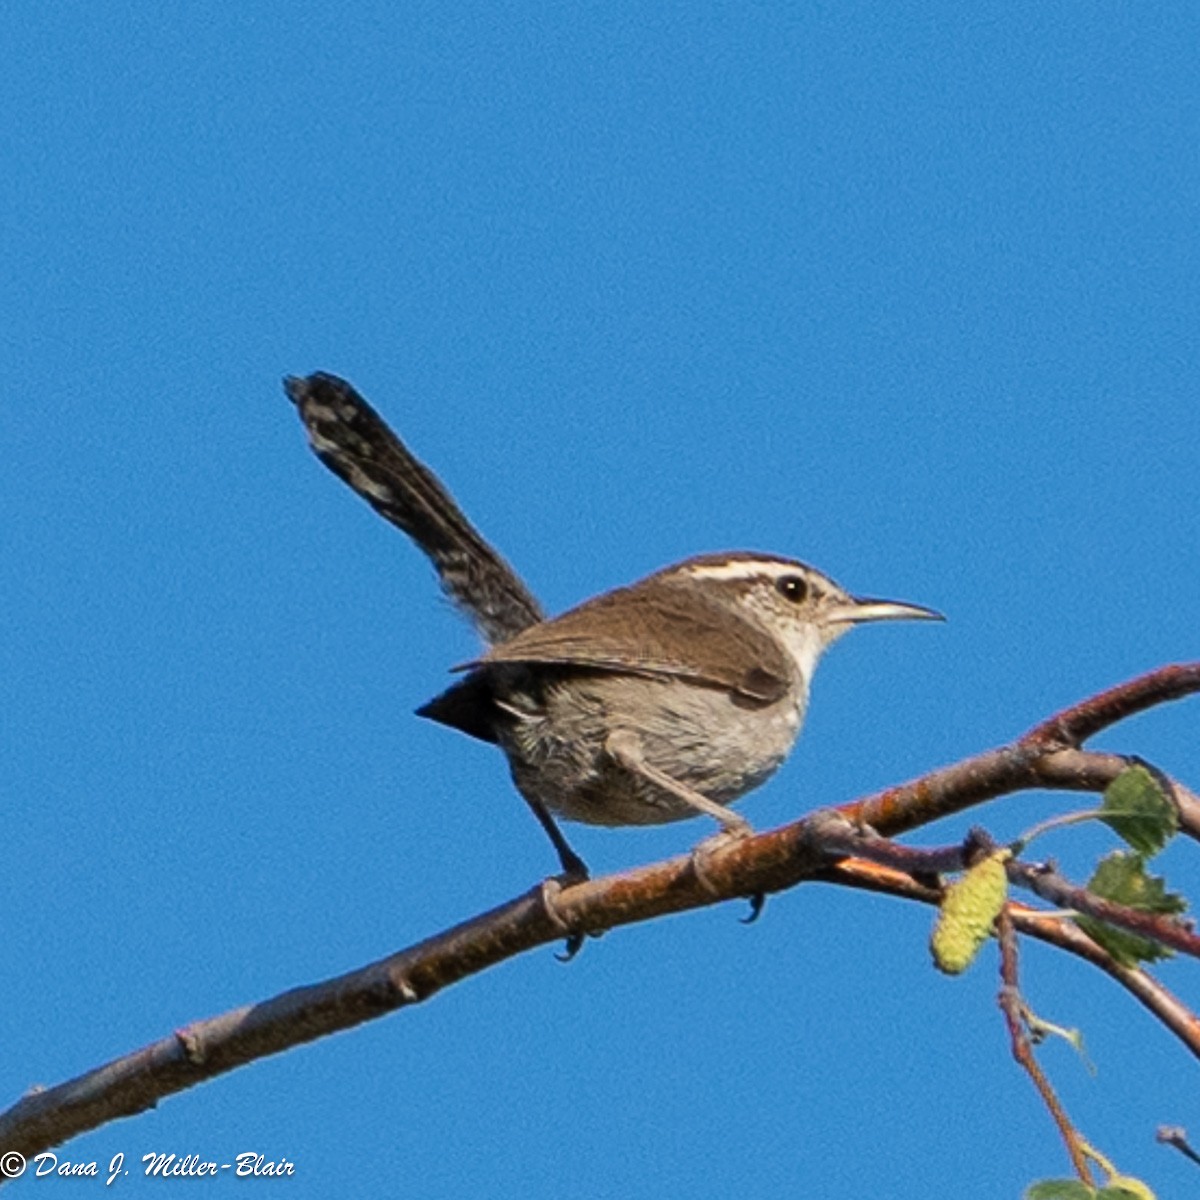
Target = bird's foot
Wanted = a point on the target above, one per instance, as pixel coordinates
(732, 832)
(551, 890)
(702, 854)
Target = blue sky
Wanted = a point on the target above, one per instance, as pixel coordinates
(907, 294)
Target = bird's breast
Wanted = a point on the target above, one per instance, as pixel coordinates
(707, 738)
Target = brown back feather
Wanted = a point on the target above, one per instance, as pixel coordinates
(671, 631)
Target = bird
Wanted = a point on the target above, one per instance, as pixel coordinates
(665, 699)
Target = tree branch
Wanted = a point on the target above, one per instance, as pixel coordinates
(1048, 756)
(770, 861)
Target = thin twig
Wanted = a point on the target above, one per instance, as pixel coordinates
(1012, 1007)
(1157, 927)
(1176, 1135)
(1046, 927)
(1040, 878)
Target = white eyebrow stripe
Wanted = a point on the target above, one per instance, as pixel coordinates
(745, 569)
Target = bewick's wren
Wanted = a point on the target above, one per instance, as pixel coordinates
(651, 703)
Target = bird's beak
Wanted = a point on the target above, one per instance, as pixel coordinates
(861, 610)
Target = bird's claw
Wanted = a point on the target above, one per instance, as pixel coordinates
(573, 938)
(707, 848)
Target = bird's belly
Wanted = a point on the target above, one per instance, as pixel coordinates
(701, 737)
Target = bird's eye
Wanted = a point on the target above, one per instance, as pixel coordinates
(793, 588)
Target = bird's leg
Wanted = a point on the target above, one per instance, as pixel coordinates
(574, 870)
(625, 748)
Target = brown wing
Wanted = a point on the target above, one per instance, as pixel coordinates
(670, 630)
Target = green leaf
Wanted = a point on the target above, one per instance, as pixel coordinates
(1124, 1187)
(1059, 1189)
(1139, 811)
(1121, 877)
